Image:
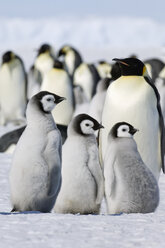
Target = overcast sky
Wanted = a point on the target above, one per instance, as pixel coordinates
(154, 9)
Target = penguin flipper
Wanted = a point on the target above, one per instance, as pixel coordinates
(54, 165)
(10, 138)
(63, 131)
(161, 123)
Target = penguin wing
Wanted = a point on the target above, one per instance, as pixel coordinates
(161, 122)
(109, 172)
(10, 138)
(96, 171)
(52, 156)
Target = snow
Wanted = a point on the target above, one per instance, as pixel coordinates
(83, 231)
(107, 38)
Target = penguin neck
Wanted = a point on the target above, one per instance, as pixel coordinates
(123, 142)
(36, 119)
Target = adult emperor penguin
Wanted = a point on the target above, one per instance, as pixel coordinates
(58, 81)
(130, 187)
(104, 69)
(87, 77)
(45, 59)
(72, 58)
(134, 99)
(13, 85)
(34, 81)
(82, 179)
(35, 176)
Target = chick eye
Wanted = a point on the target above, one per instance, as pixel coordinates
(87, 125)
(123, 129)
(49, 99)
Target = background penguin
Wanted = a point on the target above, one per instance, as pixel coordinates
(13, 89)
(134, 99)
(45, 59)
(104, 69)
(130, 187)
(87, 77)
(72, 58)
(154, 67)
(81, 102)
(35, 176)
(34, 82)
(82, 180)
(58, 81)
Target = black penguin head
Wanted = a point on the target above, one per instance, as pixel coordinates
(123, 130)
(131, 67)
(46, 101)
(7, 57)
(64, 50)
(44, 48)
(85, 125)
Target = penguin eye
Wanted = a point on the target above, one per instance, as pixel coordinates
(123, 129)
(87, 125)
(49, 99)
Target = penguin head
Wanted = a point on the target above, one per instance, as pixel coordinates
(58, 65)
(7, 57)
(131, 67)
(123, 130)
(45, 48)
(85, 125)
(64, 50)
(46, 101)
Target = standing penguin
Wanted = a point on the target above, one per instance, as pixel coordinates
(45, 59)
(104, 69)
(13, 85)
(134, 99)
(35, 176)
(82, 180)
(72, 58)
(130, 186)
(58, 81)
(87, 77)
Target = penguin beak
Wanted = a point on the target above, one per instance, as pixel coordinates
(97, 126)
(134, 130)
(120, 61)
(60, 99)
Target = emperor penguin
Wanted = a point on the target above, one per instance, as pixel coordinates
(35, 175)
(34, 81)
(13, 89)
(72, 58)
(82, 186)
(104, 69)
(130, 187)
(58, 81)
(134, 98)
(45, 59)
(87, 77)
(154, 67)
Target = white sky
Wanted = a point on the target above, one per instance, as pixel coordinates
(49, 8)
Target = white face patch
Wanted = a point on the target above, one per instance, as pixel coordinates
(87, 127)
(48, 103)
(123, 131)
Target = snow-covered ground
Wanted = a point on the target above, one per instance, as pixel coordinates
(96, 39)
(81, 231)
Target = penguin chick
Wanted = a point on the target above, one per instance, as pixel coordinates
(13, 86)
(35, 175)
(45, 59)
(72, 58)
(135, 99)
(58, 81)
(130, 187)
(82, 180)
